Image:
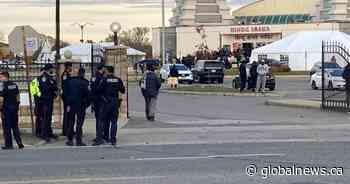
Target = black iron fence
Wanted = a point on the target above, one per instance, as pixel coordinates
(335, 56)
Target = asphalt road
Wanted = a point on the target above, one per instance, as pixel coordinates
(201, 139)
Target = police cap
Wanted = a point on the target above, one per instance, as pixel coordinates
(48, 67)
(100, 67)
(110, 69)
(68, 64)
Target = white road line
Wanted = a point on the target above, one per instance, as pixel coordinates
(78, 180)
(214, 157)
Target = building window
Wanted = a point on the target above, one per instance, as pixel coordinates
(208, 19)
(207, 9)
(206, 1)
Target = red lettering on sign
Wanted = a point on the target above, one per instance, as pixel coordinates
(250, 29)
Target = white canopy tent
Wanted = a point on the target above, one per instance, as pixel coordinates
(82, 51)
(303, 49)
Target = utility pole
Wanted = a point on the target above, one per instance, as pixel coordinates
(163, 32)
(58, 55)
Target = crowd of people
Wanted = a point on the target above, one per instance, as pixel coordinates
(78, 93)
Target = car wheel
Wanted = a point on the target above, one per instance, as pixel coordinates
(201, 80)
(313, 85)
(221, 80)
(330, 85)
(271, 88)
(235, 84)
(190, 82)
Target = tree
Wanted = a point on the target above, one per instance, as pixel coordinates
(137, 38)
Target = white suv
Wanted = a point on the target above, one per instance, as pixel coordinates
(185, 74)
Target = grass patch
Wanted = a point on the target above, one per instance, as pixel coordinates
(210, 88)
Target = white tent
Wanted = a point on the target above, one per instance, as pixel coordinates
(82, 51)
(302, 48)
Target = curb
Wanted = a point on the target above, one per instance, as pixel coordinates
(305, 104)
(220, 93)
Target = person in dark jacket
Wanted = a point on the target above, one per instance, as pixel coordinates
(9, 97)
(150, 86)
(96, 95)
(253, 76)
(48, 88)
(64, 77)
(77, 99)
(243, 75)
(346, 76)
(173, 71)
(111, 87)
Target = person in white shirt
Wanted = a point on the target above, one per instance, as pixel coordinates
(263, 70)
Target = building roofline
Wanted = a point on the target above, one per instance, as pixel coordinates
(244, 6)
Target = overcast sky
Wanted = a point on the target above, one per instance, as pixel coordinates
(41, 15)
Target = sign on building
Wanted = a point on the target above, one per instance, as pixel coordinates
(32, 45)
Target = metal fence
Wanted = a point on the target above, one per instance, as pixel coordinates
(333, 95)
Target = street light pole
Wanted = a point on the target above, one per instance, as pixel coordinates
(82, 27)
(163, 31)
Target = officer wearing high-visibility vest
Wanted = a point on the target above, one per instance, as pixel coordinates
(9, 106)
(48, 88)
(35, 92)
(111, 87)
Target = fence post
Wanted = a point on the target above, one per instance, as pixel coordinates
(28, 79)
(323, 95)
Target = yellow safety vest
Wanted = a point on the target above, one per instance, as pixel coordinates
(34, 88)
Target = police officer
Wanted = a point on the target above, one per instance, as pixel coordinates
(111, 86)
(48, 89)
(77, 100)
(9, 97)
(35, 92)
(96, 94)
(64, 77)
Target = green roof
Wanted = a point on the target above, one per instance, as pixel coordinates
(273, 19)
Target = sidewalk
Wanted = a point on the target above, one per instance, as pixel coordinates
(296, 103)
(89, 133)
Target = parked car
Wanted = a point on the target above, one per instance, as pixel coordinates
(208, 70)
(270, 80)
(327, 66)
(185, 74)
(333, 79)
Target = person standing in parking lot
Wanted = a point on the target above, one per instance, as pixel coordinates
(253, 76)
(243, 75)
(262, 71)
(346, 76)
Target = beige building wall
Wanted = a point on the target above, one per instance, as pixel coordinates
(277, 7)
(188, 38)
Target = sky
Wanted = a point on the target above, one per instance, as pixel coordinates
(40, 14)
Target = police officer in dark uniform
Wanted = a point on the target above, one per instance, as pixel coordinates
(77, 99)
(64, 77)
(96, 94)
(9, 94)
(48, 89)
(111, 86)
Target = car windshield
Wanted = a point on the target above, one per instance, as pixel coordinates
(213, 64)
(337, 73)
(331, 65)
(180, 67)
